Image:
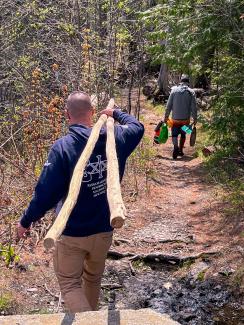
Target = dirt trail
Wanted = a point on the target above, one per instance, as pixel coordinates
(181, 214)
(183, 248)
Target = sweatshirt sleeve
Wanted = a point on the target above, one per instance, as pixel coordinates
(130, 131)
(50, 189)
(194, 106)
(169, 105)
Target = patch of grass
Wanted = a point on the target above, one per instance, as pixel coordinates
(229, 176)
(203, 140)
(7, 253)
(144, 153)
(6, 303)
(157, 109)
(201, 275)
(223, 171)
(238, 278)
(187, 264)
(139, 265)
(142, 118)
(141, 163)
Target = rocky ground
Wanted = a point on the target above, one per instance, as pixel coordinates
(177, 254)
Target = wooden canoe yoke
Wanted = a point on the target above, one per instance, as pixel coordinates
(115, 200)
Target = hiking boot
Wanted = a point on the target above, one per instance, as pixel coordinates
(175, 153)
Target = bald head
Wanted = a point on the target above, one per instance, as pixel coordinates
(78, 104)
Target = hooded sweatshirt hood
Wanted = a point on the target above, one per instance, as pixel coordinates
(80, 131)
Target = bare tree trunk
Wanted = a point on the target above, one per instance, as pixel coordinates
(163, 80)
(130, 91)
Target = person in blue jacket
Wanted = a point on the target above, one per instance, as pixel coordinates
(80, 253)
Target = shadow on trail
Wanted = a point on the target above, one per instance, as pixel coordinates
(180, 176)
(113, 317)
(68, 319)
(229, 222)
(184, 158)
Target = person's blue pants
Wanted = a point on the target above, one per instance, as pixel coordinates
(176, 131)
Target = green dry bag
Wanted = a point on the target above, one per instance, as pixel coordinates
(164, 134)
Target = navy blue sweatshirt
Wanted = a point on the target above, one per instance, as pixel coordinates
(91, 213)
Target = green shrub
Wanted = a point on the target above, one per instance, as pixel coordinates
(6, 303)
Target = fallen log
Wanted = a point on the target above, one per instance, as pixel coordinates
(172, 259)
(133, 272)
(158, 257)
(111, 286)
(118, 255)
(115, 200)
(51, 293)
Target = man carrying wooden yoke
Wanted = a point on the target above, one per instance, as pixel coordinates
(80, 252)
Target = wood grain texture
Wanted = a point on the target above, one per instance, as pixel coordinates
(115, 200)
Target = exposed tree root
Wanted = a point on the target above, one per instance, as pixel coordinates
(161, 258)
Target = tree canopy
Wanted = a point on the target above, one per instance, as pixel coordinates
(205, 39)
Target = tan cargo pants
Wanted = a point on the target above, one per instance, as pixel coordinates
(79, 265)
